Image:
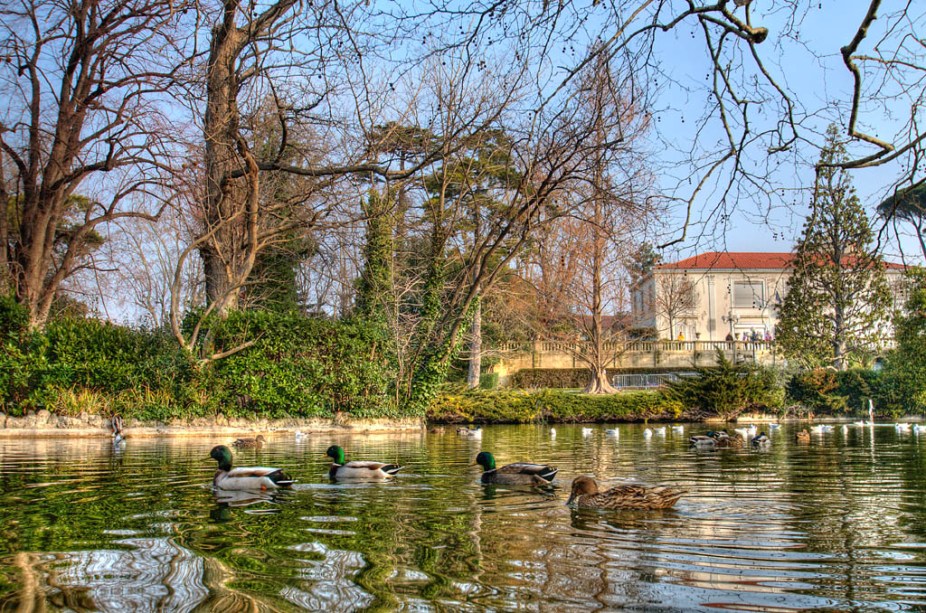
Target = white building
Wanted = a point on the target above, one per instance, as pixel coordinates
(713, 294)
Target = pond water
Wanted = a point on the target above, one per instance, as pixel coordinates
(838, 523)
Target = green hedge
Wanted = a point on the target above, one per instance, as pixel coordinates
(518, 406)
(297, 366)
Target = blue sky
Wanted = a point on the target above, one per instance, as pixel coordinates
(809, 66)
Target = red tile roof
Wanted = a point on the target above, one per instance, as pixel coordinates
(741, 260)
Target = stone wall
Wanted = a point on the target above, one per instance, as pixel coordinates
(43, 423)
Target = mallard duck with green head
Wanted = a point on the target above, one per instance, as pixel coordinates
(253, 478)
(358, 471)
(521, 473)
(585, 494)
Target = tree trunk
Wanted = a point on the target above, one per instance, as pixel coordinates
(475, 349)
(598, 382)
(227, 244)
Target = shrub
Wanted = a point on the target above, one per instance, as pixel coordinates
(301, 367)
(727, 390)
(21, 355)
(828, 392)
(519, 406)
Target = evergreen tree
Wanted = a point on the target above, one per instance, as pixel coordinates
(903, 389)
(838, 298)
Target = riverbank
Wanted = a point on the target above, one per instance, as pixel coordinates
(45, 424)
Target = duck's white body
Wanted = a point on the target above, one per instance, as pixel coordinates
(613, 433)
(647, 433)
(660, 431)
(678, 429)
(586, 432)
(700, 440)
(470, 432)
(254, 478)
(363, 471)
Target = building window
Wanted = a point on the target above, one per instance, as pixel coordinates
(748, 295)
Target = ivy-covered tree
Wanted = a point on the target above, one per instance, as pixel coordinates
(837, 304)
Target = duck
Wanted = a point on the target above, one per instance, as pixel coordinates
(300, 435)
(613, 432)
(647, 433)
(774, 426)
(245, 478)
(587, 432)
(661, 431)
(803, 436)
(744, 432)
(702, 440)
(737, 441)
(250, 443)
(902, 427)
(475, 433)
(678, 429)
(520, 473)
(919, 429)
(760, 440)
(118, 436)
(358, 471)
(436, 430)
(821, 429)
(585, 494)
(553, 433)
(708, 440)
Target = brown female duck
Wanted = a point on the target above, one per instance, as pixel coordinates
(585, 494)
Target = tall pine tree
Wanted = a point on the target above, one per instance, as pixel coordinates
(837, 304)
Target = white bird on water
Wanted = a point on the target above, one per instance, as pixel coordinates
(552, 432)
(647, 434)
(613, 433)
(586, 432)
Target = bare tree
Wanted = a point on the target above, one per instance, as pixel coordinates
(83, 124)
(676, 298)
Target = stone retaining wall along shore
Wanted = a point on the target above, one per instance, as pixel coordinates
(44, 423)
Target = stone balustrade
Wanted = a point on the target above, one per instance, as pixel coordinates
(654, 355)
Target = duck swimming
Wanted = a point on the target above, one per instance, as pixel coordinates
(254, 478)
(520, 473)
(760, 441)
(358, 470)
(585, 494)
(118, 436)
(250, 443)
